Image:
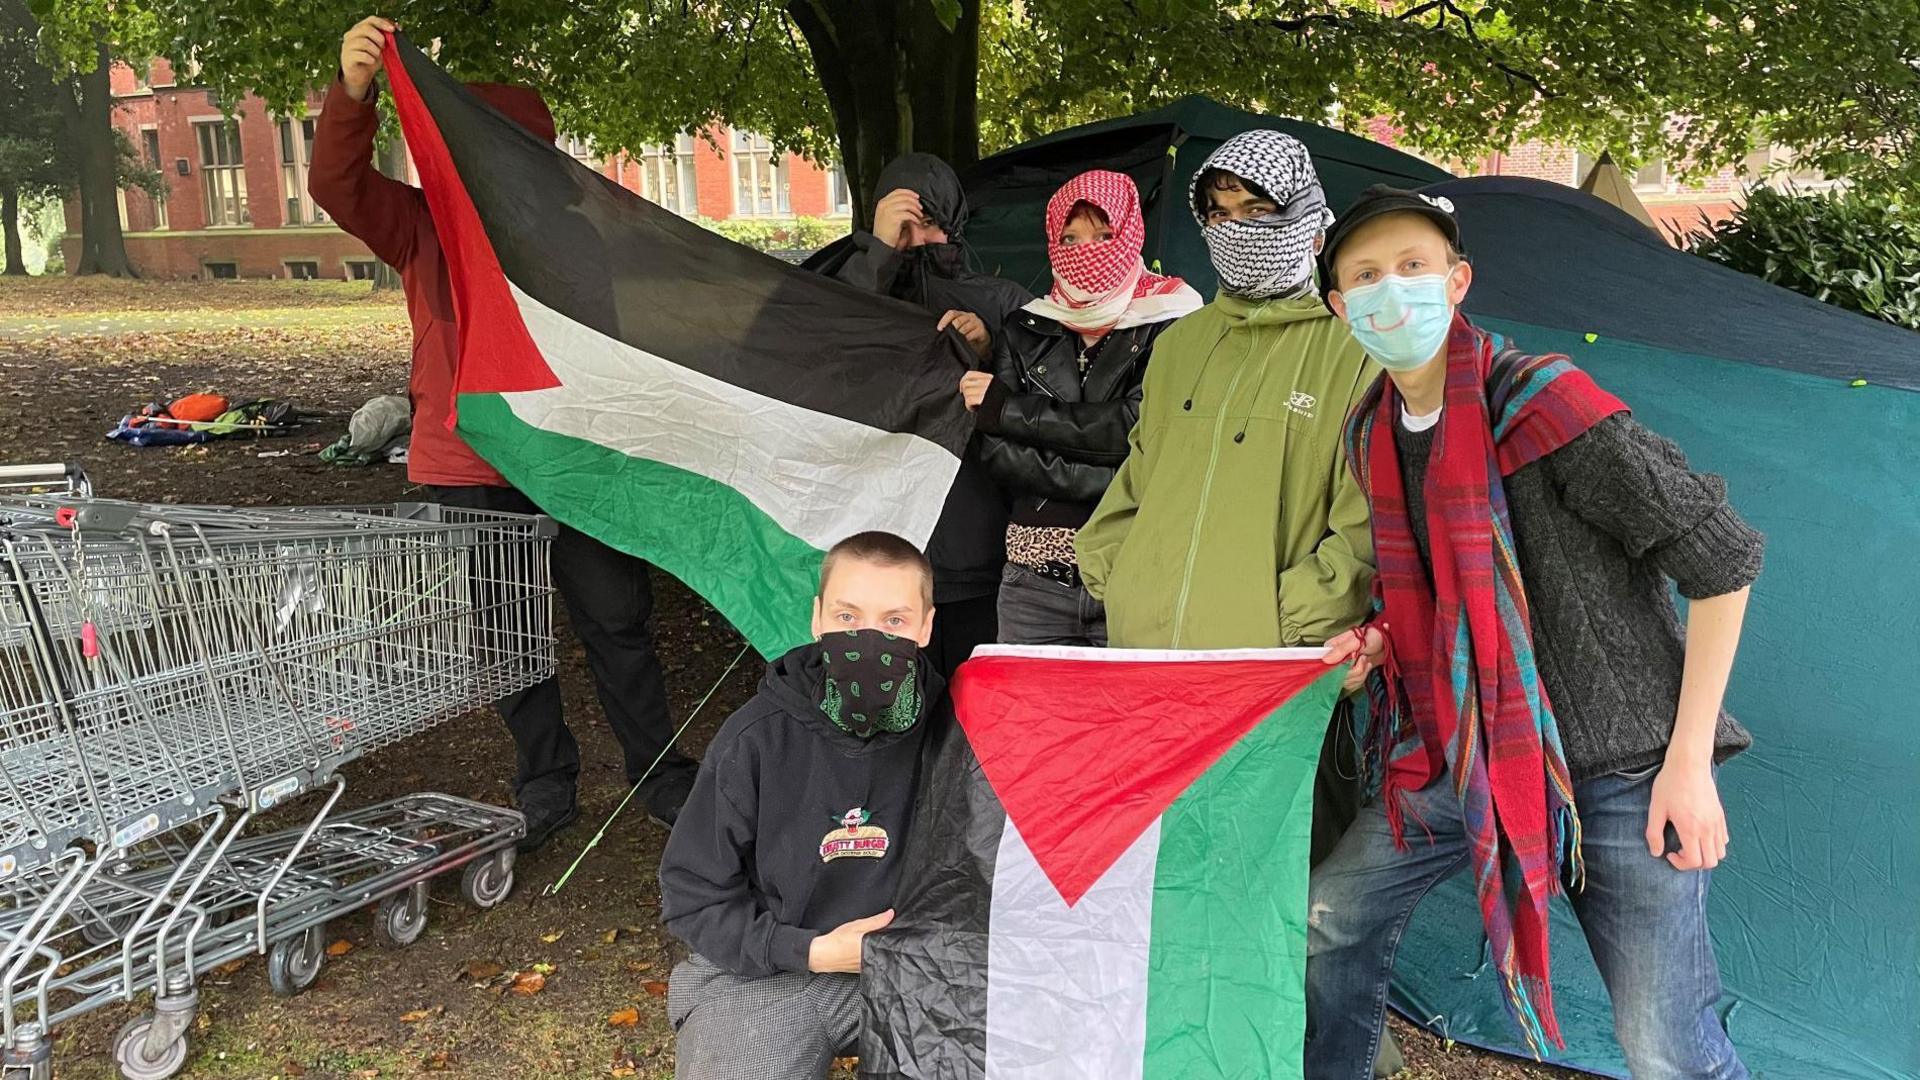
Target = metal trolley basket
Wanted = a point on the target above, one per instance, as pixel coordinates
(167, 673)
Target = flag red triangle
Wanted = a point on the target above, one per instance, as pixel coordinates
(1085, 753)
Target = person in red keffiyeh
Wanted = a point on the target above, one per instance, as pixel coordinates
(1062, 392)
(1540, 718)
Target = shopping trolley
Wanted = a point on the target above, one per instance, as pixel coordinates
(168, 673)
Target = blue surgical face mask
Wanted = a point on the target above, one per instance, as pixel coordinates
(1400, 321)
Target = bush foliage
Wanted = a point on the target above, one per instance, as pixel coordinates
(1854, 249)
(780, 234)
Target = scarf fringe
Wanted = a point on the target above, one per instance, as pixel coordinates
(1519, 993)
(1570, 865)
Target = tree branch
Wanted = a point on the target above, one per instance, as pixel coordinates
(1300, 25)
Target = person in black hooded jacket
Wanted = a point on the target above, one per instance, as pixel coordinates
(917, 252)
(786, 854)
(1062, 394)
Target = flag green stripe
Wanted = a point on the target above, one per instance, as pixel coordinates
(669, 516)
(1226, 970)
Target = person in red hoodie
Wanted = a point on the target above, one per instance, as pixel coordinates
(607, 593)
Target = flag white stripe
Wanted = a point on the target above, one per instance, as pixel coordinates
(1067, 986)
(819, 477)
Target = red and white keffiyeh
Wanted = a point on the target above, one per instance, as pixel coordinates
(1104, 286)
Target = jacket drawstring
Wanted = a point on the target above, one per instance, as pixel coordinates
(1187, 405)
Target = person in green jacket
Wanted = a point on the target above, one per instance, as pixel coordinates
(1234, 522)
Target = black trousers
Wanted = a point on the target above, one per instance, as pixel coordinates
(609, 601)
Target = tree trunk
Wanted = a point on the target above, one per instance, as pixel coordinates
(391, 160)
(896, 81)
(10, 224)
(87, 101)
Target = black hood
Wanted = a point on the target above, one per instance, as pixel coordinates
(794, 682)
(938, 186)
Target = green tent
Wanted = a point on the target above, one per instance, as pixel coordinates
(1810, 412)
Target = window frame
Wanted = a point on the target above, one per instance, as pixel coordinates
(222, 181)
(747, 151)
(296, 204)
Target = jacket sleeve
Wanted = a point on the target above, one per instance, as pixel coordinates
(381, 212)
(1090, 430)
(1636, 486)
(871, 267)
(1044, 473)
(704, 896)
(1329, 591)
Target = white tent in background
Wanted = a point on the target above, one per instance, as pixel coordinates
(1606, 182)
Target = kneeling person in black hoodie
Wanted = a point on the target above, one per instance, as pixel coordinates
(785, 857)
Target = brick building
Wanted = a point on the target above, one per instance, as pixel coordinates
(237, 204)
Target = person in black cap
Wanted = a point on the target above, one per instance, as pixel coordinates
(918, 252)
(1544, 720)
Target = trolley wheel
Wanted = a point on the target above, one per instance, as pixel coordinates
(402, 918)
(294, 963)
(486, 882)
(130, 1053)
(105, 931)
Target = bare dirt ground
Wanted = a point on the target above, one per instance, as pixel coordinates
(77, 355)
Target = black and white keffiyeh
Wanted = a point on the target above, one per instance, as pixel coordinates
(1272, 257)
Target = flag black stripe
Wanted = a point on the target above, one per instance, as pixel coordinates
(612, 261)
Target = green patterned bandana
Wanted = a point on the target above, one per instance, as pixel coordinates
(872, 681)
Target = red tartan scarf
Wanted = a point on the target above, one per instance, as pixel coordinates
(1103, 286)
(1462, 697)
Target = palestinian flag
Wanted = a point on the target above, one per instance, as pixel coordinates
(673, 394)
(1107, 873)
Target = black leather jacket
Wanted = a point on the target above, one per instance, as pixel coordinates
(1049, 433)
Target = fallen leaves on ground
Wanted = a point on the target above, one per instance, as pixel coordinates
(479, 971)
(528, 983)
(340, 948)
(438, 1061)
(553, 937)
(418, 1015)
(627, 1017)
(638, 966)
(654, 987)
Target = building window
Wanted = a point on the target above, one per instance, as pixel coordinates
(222, 271)
(296, 153)
(759, 178)
(222, 172)
(581, 150)
(666, 175)
(302, 269)
(150, 146)
(359, 269)
(839, 195)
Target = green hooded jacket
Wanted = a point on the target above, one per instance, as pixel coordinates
(1235, 522)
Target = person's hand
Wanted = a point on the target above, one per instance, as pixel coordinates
(973, 387)
(360, 54)
(898, 209)
(1364, 645)
(839, 948)
(971, 328)
(1684, 795)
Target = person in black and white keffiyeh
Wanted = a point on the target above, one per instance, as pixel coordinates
(1268, 255)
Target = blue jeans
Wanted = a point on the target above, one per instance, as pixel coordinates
(1645, 922)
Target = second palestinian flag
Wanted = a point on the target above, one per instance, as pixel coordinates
(666, 391)
(1107, 871)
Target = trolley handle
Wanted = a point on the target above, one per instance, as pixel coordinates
(68, 475)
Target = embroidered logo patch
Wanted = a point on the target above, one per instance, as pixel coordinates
(856, 838)
(1302, 403)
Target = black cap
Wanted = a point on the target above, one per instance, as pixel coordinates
(1382, 199)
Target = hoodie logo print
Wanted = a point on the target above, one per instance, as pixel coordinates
(856, 838)
(1301, 404)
